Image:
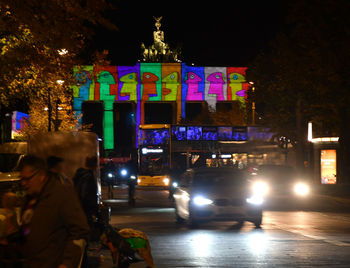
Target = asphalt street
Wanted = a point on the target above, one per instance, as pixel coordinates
(309, 234)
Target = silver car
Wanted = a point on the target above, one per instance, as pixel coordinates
(218, 194)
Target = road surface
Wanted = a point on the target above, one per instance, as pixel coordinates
(313, 235)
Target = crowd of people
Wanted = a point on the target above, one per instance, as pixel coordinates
(56, 217)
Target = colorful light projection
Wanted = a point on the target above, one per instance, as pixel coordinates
(148, 82)
(18, 122)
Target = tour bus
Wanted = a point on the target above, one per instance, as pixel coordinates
(154, 156)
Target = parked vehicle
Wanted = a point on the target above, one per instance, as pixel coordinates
(218, 194)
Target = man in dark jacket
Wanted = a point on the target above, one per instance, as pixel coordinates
(85, 185)
(53, 224)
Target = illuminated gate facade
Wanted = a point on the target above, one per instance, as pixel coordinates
(156, 82)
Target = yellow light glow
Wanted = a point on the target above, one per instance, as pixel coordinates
(301, 189)
(166, 181)
(260, 188)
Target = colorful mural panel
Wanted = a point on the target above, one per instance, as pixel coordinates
(129, 88)
(106, 90)
(215, 86)
(84, 88)
(237, 86)
(171, 85)
(192, 85)
(147, 82)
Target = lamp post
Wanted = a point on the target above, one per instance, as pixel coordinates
(49, 109)
(61, 52)
(253, 103)
(57, 121)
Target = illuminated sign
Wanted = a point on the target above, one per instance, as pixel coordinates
(154, 136)
(194, 133)
(178, 133)
(225, 133)
(147, 82)
(147, 150)
(210, 134)
(206, 133)
(328, 166)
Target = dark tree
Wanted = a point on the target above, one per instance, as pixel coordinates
(304, 76)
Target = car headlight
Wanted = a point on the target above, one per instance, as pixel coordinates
(123, 172)
(110, 175)
(255, 200)
(201, 201)
(133, 177)
(301, 189)
(175, 184)
(260, 188)
(166, 181)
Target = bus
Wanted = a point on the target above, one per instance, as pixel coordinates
(154, 156)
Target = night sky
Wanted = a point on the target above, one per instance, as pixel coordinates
(217, 33)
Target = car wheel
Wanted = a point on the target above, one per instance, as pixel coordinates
(257, 222)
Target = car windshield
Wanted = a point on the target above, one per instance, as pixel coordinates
(218, 178)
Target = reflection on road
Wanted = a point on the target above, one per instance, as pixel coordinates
(201, 244)
(292, 238)
(258, 242)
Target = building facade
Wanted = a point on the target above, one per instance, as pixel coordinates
(174, 83)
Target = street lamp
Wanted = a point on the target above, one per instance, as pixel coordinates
(49, 109)
(62, 51)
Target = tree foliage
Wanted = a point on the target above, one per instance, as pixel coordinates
(309, 62)
(304, 75)
(40, 42)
